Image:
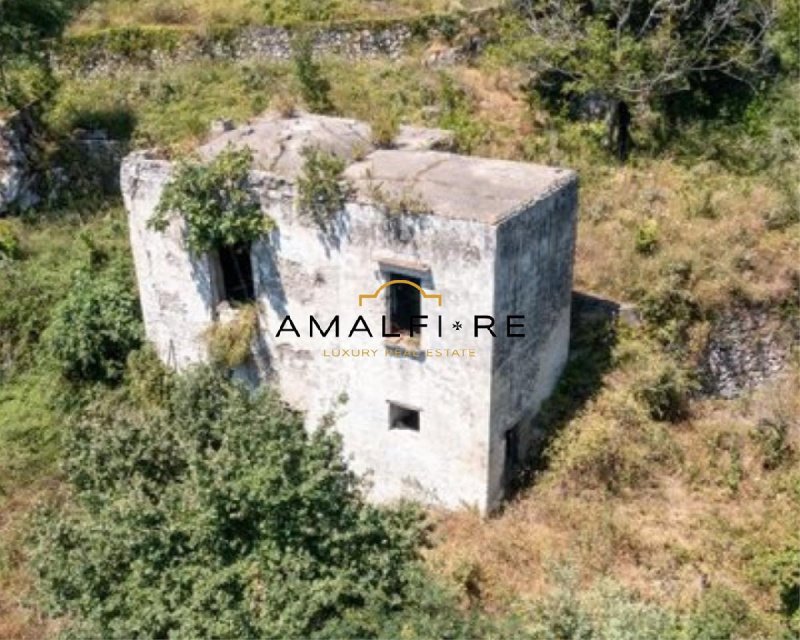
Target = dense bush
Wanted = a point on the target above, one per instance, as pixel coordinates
(215, 201)
(25, 28)
(321, 191)
(720, 614)
(218, 515)
(95, 326)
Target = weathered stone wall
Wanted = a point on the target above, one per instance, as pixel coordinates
(16, 176)
(533, 277)
(110, 51)
(746, 347)
(498, 241)
(300, 270)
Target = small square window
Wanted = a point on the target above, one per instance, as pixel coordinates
(401, 417)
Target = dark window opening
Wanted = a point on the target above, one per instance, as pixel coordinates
(237, 273)
(404, 303)
(401, 417)
(511, 460)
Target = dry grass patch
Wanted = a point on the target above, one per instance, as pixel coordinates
(669, 539)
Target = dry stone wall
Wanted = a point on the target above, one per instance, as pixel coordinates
(457, 37)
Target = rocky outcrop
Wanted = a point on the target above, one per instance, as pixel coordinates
(16, 178)
(747, 346)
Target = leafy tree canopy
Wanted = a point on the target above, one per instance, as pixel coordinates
(641, 49)
(211, 512)
(24, 25)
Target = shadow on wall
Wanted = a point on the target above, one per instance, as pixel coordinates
(333, 230)
(267, 274)
(403, 228)
(592, 339)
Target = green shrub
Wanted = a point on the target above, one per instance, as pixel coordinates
(27, 28)
(720, 614)
(321, 191)
(219, 515)
(147, 379)
(772, 437)
(604, 611)
(457, 116)
(314, 86)
(9, 242)
(666, 393)
(384, 125)
(95, 327)
(669, 308)
(787, 212)
(215, 201)
(647, 238)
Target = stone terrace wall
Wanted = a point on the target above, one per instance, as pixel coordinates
(113, 50)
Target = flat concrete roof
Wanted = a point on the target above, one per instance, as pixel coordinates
(455, 186)
(410, 174)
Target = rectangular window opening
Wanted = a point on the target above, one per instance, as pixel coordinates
(404, 418)
(237, 273)
(404, 303)
(511, 458)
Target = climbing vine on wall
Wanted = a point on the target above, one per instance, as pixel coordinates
(215, 201)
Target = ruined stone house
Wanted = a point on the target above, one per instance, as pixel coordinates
(435, 399)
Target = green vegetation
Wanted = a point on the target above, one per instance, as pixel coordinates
(655, 512)
(669, 55)
(314, 86)
(229, 342)
(321, 189)
(209, 13)
(25, 28)
(228, 519)
(37, 296)
(170, 109)
(215, 201)
(95, 326)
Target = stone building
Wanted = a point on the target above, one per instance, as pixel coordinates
(443, 284)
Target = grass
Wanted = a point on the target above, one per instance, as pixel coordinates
(664, 509)
(103, 14)
(666, 535)
(34, 402)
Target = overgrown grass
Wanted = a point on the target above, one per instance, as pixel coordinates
(34, 400)
(117, 13)
(690, 504)
(169, 109)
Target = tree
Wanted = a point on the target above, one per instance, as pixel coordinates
(212, 513)
(24, 26)
(95, 326)
(636, 52)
